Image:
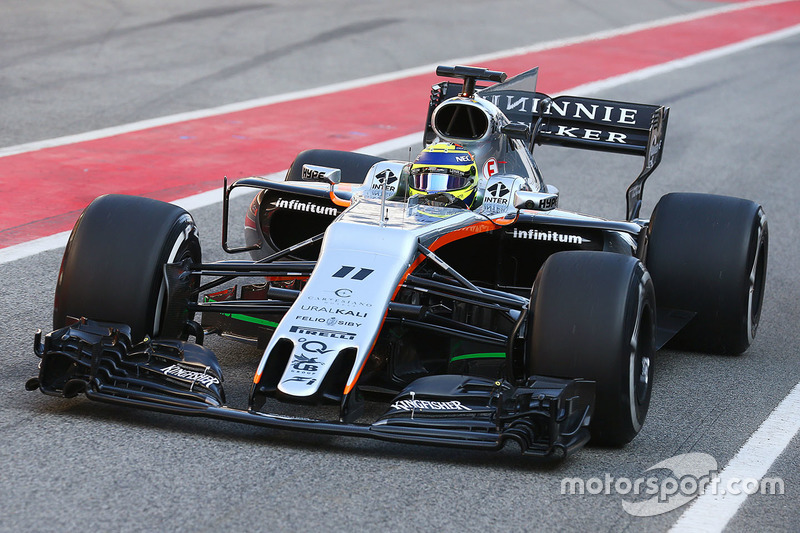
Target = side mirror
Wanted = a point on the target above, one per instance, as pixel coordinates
(328, 175)
(537, 201)
(517, 130)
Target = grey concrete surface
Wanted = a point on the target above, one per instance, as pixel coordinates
(71, 67)
(74, 464)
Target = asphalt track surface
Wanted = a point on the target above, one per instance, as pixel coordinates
(66, 464)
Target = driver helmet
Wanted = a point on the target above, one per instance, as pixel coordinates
(445, 167)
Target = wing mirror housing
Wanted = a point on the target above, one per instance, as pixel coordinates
(328, 175)
(331, 176)
(536, 201)
(517, 130)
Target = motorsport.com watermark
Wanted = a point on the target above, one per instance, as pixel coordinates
(682, 479)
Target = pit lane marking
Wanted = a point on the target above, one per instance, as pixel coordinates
(712, 512)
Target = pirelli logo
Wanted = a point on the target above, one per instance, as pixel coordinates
(303, 330)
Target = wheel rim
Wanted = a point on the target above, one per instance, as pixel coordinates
(755, 292)
(180, 251)
(642, 349)
(643, 371)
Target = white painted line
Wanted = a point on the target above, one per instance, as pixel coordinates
(205, 199)
(30, 248)
(412, 139)
(371, 80)
(712, 512)
(59, 240)
(684, 62)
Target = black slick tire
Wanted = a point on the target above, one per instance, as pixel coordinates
(707, 254)
(112, 269)
(593, 317)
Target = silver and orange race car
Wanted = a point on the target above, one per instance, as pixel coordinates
(417, 318)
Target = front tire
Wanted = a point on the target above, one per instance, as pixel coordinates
(112, 269)
(593, 317)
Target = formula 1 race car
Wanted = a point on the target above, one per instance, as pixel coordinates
(450, 291)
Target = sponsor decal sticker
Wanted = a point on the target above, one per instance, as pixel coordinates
(310, 207)
(332, 321)
(425, 405)
(303, 364)
(386, 177)
(592, 135)
(498, 194)
(568, 109)
(490, 167)
(177, 371)
(635, 192)
(302, 379)
(310, 174)
(513, 105)
(333, 310)
(547, 236)
(314, 346)
(360, 274)
(303, 330)
(342, 299)
(548, 203)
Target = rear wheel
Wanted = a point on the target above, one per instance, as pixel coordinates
(112, 268)
(593, 317)
(708, 255)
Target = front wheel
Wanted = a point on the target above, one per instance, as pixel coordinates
(112, 269)
(593, 317)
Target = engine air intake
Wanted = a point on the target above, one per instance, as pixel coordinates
(460, 121)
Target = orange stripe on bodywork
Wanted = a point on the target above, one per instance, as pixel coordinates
(352, 384)
(338, 201)
(473, 229)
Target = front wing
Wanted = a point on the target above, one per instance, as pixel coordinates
(544, 416)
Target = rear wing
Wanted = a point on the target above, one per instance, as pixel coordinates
(578, 122)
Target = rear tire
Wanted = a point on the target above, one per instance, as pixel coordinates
(112, 268)
(708, 254)
(354, 166)
(593, 317)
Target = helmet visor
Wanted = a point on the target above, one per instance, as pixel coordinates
(439, 182)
